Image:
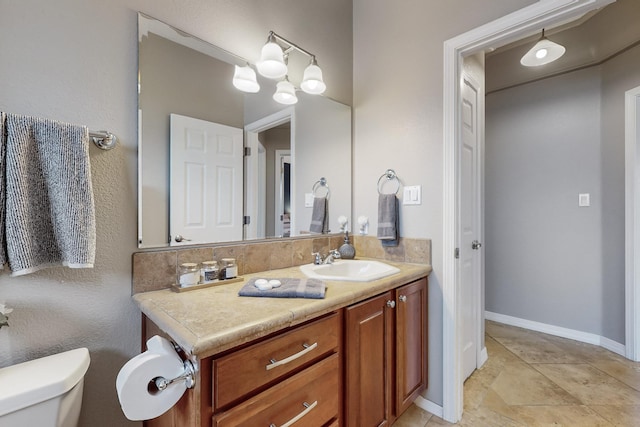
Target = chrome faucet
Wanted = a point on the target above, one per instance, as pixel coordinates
(331, 256)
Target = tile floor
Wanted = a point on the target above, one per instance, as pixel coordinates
(534, 379)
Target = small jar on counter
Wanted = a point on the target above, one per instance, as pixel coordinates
(228, 269)
(188, 274)
(209, 272)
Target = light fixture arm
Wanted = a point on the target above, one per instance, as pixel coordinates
(290, 45)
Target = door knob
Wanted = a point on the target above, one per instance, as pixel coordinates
(391, 304)
(476, 245)
(180, 238)
(402, 298)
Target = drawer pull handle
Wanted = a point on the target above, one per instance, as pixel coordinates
(307, 349)
(308, 409)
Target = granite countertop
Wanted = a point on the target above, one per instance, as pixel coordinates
(208, 321)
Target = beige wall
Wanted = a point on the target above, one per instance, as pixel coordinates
(76, 61)
(397, 100)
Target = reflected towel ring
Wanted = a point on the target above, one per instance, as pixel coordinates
(390, 174)
(322, 182)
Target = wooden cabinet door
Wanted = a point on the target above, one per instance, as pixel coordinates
(411, 343)
(369, 363)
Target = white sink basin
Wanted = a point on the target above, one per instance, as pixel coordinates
(349, 270)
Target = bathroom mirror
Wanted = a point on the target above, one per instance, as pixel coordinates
(268, 159)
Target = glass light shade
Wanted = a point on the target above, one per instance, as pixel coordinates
(244, 79)
(312, 80)
(285, 93)
(543, 52)
(271, 64)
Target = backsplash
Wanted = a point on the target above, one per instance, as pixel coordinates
(154, 270)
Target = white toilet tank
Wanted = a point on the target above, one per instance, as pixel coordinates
(44, 392)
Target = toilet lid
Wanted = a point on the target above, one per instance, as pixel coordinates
(35, 381)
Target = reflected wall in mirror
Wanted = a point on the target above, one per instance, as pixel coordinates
(196, 185)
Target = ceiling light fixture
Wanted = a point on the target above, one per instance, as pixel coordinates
(273, 65)
(543, 52)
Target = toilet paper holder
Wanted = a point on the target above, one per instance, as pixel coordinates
(188, 376)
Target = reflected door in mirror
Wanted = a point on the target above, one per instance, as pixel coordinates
(206, 181)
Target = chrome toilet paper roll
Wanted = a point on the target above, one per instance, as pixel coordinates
(140, 401)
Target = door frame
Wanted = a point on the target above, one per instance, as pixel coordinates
(632, 223)
(251, 132)
(280, 158)
(517, 25)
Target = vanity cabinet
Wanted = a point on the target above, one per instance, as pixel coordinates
(292, 377)
(359, 366)
(386, 355)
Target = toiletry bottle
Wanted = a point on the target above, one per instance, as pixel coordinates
(229, 269)
(347, 251)
(188, 274)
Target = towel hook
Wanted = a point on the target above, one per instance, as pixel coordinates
(322, 182)
(389, 174)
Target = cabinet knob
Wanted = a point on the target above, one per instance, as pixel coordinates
(391, 304)
(402, 298)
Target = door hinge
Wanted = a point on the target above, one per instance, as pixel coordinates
(456, 253)
(246, 220)
(247, 151)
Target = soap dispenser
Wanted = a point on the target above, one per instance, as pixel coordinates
(347, 251)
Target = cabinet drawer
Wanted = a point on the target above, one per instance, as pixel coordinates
(243, 371)
(307, 399)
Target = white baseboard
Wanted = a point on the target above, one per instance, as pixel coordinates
(613, 346)
(558, 331)
(428, 406)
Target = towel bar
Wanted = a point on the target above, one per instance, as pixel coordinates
(104, 140)
(390, 174)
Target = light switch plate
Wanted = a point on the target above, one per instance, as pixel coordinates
(412, 195)
(584, 199)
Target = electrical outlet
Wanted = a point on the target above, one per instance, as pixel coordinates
(584, 199)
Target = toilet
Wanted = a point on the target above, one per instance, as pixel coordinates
(45, 392)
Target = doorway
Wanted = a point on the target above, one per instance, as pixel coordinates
(269, 145)
(504, 30)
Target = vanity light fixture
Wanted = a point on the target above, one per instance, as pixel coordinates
(312, 80)
(543, 52)
(244, 79)
(285, 92)
(273, 65)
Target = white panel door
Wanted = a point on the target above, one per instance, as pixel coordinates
(470, 255)
(206, 182)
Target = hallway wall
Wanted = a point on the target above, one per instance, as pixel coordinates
(548, 260)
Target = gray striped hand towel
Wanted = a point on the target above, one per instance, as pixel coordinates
(3, 189)
(50, 213)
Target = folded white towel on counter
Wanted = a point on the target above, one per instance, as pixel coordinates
(50, 213)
